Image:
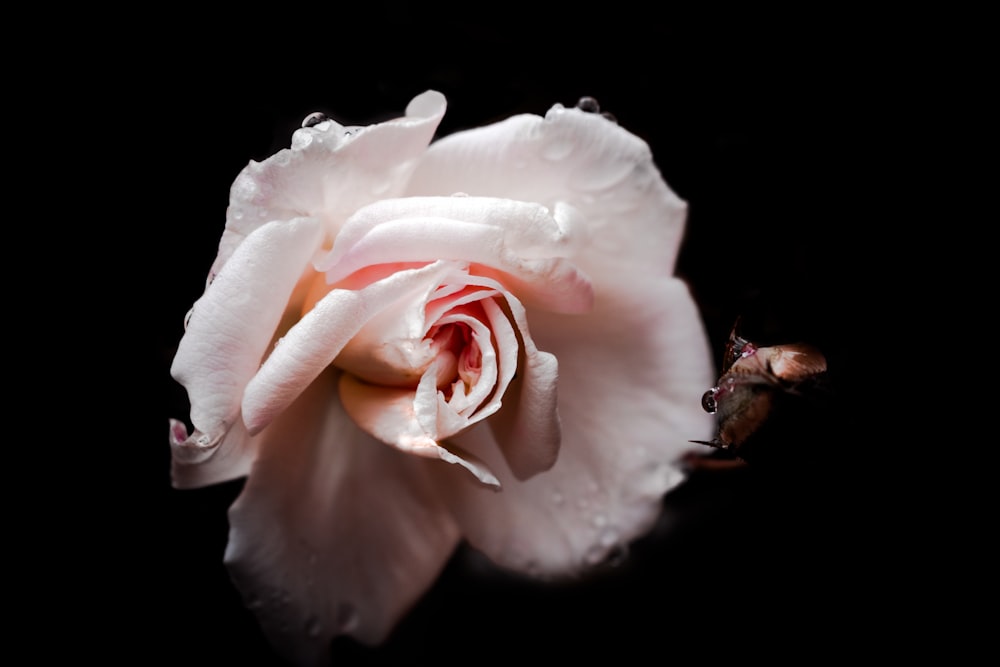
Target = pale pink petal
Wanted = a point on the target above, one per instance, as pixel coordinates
(193, 465)
(392, 347)
(231, 325)
(334, 533)
(520, 240)
(391, 415)
(633, 221)
(631, 375)
(316, 340)
(330, 171)
(528, 427)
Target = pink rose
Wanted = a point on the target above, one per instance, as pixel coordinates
(404, 344)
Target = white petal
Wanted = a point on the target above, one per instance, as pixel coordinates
(232, 323)
(633, 221)
(194, 465)
(334, 533)
(330, 171)
(631, 377)
(522, 241)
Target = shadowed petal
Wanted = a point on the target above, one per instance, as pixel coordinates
(619, 445)
(334, 533)
(232, 323)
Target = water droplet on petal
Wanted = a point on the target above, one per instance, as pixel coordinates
(347, 617)
(599, 520)
(588, 104)
(315, 118)
(557, 498)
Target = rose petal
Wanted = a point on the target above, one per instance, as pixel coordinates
(634, 221)
(330, 171)
(528, 427)
(334, 533)
(316, 340)
(392, 416)
(518, 239)
(232, 323)
(194, 465)
(619, 448)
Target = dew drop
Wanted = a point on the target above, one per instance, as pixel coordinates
(204, 439)
(313, 627)
(315, 118)
(599, 520)
(557, 498)
(588, 104)
(617, 555)
(347, 617)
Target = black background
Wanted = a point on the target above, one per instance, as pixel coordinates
(777, 139)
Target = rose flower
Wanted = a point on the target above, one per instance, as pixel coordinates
(405, 344)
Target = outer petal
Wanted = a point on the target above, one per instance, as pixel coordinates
(193, 466)
(334, 533)
(634, 222)
(619, 448)
(330, 171)
(231, 325)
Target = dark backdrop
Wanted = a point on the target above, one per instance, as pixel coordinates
(773, 139)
